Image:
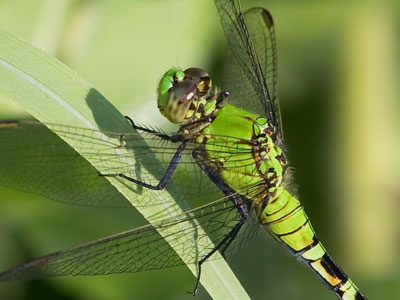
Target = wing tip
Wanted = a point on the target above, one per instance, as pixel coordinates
(267, 17)
(264, 14)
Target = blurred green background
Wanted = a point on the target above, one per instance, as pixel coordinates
(339, 91)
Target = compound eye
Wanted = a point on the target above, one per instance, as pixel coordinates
(167, 82)
(201, 79)
(179, 101)
(183, 91)
(193, 73)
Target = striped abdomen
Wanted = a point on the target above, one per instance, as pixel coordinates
(285, 219)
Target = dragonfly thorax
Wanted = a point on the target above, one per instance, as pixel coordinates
(184, 96)
(257, 166)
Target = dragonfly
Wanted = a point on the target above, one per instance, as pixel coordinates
(228, 149)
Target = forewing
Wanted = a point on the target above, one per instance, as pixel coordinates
(250, 67)
(35, 159)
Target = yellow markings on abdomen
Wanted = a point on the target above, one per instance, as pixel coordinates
(318, 266)
(285, 219)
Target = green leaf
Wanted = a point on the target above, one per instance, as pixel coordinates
(54, 94)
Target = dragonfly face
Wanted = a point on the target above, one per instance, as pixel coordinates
(180, 92)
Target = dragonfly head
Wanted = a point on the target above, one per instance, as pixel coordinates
(179, 91)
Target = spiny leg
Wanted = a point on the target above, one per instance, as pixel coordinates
(238, 201)
(166, 177)
(164, 136)
(233, 234)
(223, 244)
(222, 99)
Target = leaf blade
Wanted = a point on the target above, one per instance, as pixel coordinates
(53, 93)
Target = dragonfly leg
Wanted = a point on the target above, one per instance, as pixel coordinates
(226, 241)
(232, 235)
(222, 245)
(242, 205)
(171, 138)
(222, 99)
(166, 177)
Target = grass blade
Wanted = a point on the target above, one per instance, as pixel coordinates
(52, 93)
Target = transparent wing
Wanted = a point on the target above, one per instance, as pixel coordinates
(35, 159)
(250, 68)
(142, 248)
